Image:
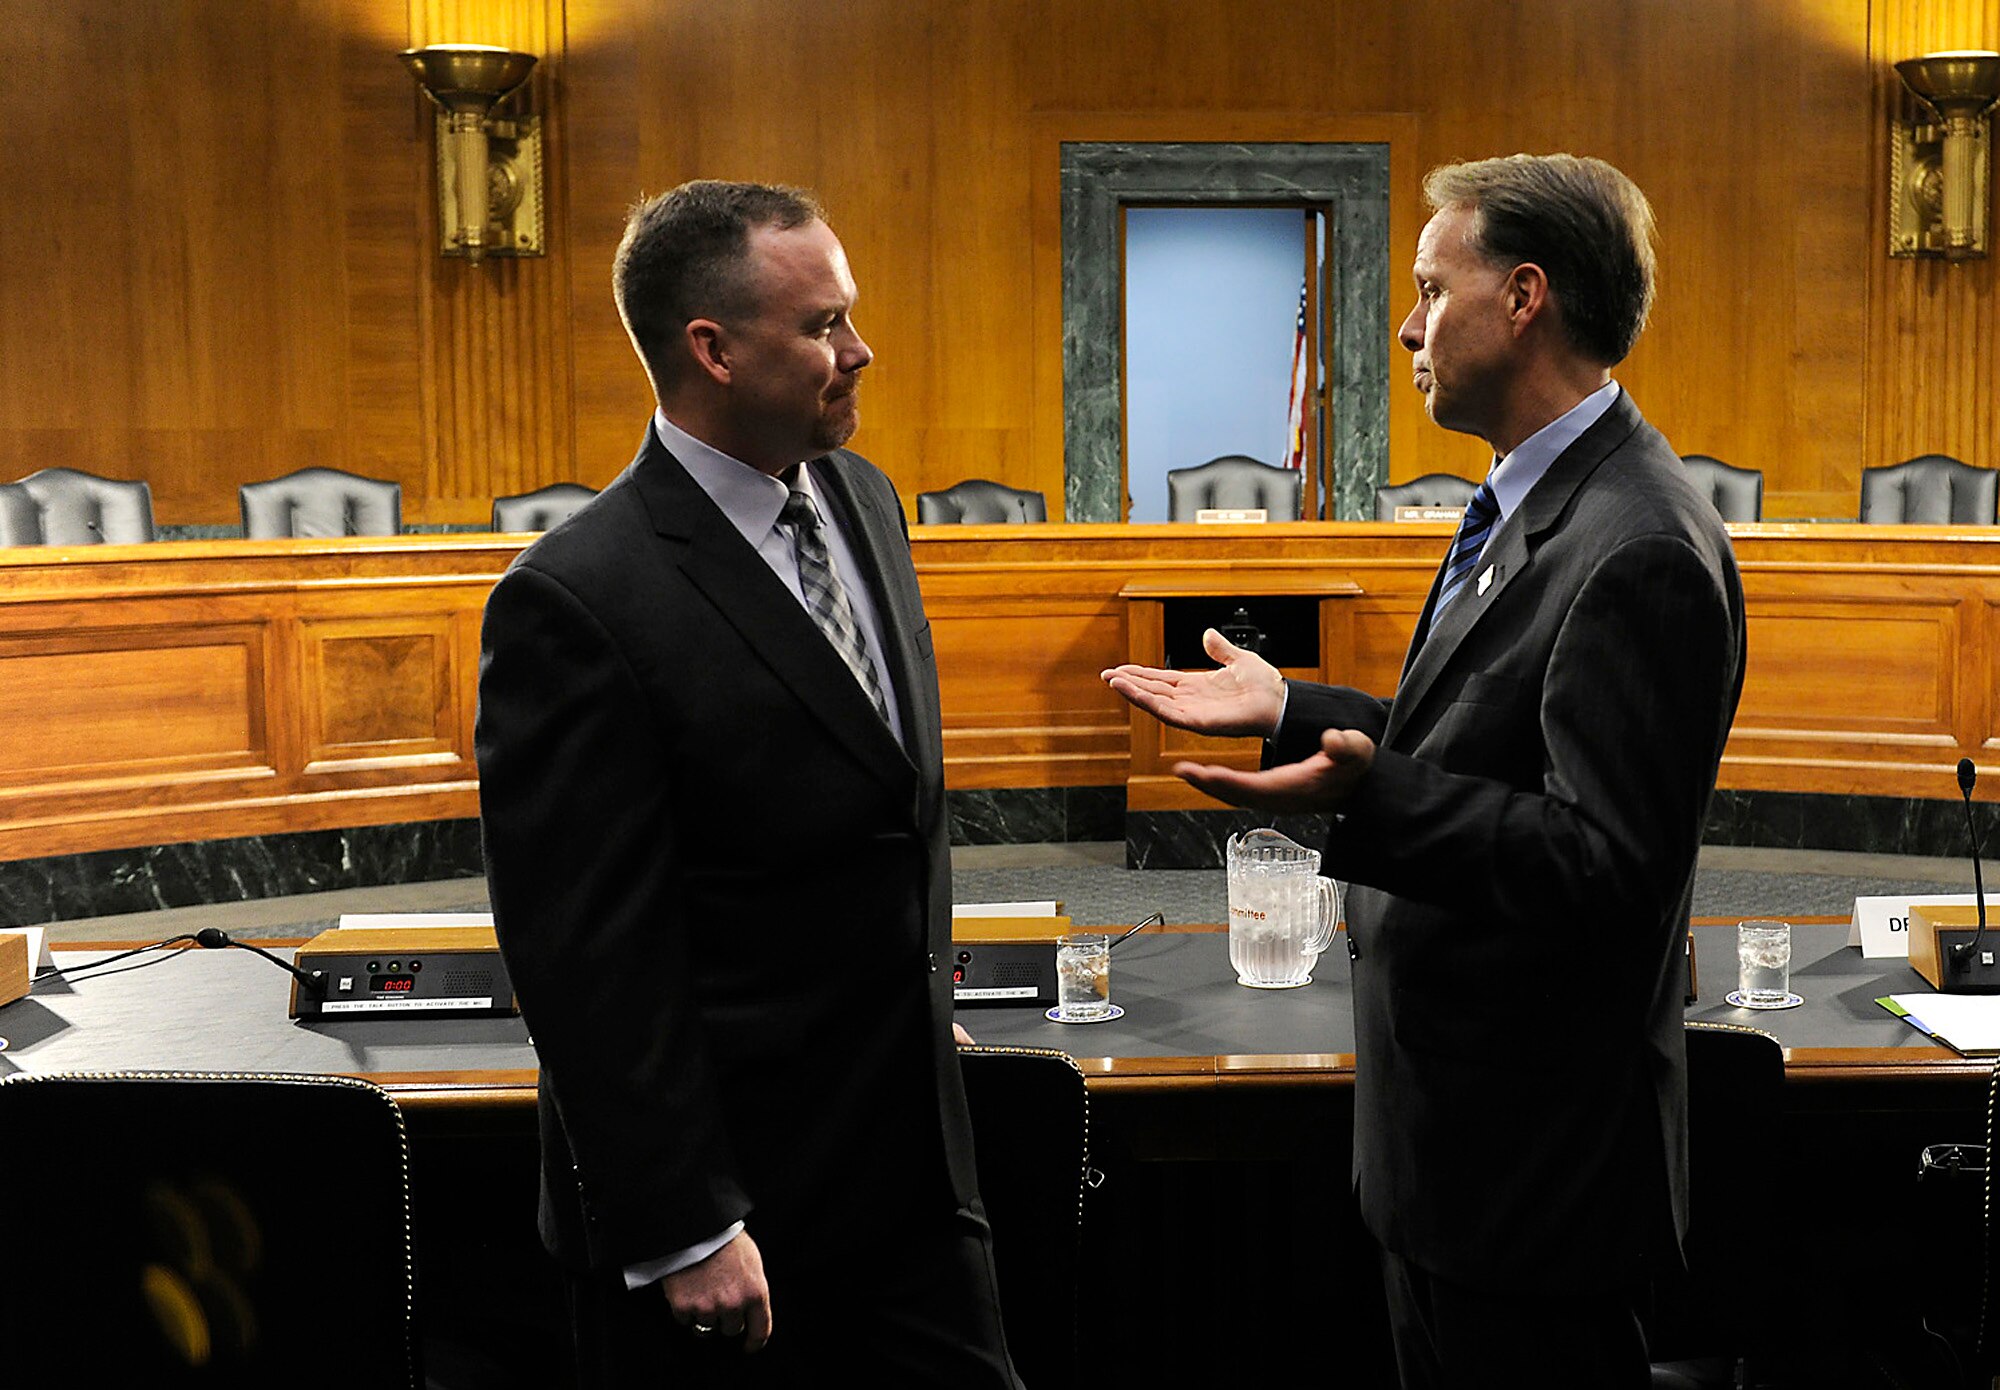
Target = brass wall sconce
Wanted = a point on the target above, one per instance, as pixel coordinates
(489, 168)
(1941, 157)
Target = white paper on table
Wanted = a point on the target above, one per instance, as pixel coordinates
(1881, 926)
(350, 920)
(1048, 909)
(1967, 1022)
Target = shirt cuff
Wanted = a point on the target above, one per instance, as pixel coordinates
(637, 1276)
(1284, 703)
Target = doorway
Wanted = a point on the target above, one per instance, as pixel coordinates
(1222, 344)
(1100, 180)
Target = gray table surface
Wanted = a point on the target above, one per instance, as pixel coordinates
(1181, 999)
(225, 1010)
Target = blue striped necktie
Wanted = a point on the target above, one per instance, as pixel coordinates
(826, 598)
(1473, 528)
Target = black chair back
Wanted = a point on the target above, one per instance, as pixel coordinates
(541, 509)
(20, 518)
(1431, 490)
(1932, 490)
(1735, 1080)
(321, 502)
(79, 508)
(1234, 482)
(1031, 1132)
(1738, 493)
(208, 1229)
(979, 502)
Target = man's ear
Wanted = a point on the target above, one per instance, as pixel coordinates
(1528, 295)
(708, 344)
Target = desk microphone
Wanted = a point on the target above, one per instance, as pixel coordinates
(1967, 773)
(1944, 947)
(215, 938)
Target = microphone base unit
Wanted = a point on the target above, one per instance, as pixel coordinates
(398, 972)
(1937, 933)
(1003, 961)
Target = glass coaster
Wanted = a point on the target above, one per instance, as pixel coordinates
(1736, 997)
(1055, 1016)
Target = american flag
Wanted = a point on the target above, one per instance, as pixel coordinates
(1295, 413)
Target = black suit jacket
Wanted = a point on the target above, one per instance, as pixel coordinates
(721, 887)
(1523, 858)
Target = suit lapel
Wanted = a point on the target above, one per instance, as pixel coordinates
(713, 555)
(1507, 556)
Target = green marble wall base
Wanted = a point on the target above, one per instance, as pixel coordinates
(106, 883)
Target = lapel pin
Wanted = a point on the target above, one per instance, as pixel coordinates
(1486, 580)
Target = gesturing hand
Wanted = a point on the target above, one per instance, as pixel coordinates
(724, 1295)
(1320, 782)
(1242, 698)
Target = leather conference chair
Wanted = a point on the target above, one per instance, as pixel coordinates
(1954, 1338)
(1431, 490)
(1031, 1135)
(1738, 493)
(203, 1228)
(1932, 490)
(20, 518)
(541, 509)
(1704, 1333)
(321, 502)
(78, 508)
(1233, 481)
(976, 502)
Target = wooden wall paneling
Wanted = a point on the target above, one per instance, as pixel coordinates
(164, 291)
(171, 698)
(191, 682)
(1027, 700)
(234, 688)
(497, 365)
(1933, 334)
(633, 105)
(386, 180)
(1980, 669)
(1020, 631)
(181, 312)
(1896, 658)
(379, 691)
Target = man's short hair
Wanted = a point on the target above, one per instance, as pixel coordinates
(1583, 222)
(684, 255)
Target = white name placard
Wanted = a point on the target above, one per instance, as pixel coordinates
(1451, 514)
(1213, 514)
(1881, 926)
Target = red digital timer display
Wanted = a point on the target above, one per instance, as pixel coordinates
(391, 984)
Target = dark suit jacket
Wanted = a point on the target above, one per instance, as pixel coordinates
(722, 889)
(1523, 857)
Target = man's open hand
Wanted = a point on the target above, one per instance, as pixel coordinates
(1243, 698)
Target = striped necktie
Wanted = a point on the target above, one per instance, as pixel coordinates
(826, 598)
(1473, 528)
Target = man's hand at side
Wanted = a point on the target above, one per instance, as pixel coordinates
(1241, 699)
(725, 1293)
(1317, 784)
